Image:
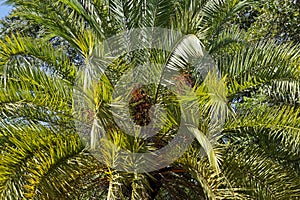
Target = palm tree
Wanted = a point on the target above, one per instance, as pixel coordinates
(255, 155)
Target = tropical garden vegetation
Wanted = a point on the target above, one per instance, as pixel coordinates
(45, 45)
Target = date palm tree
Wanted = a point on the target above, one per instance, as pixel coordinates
(254, 155)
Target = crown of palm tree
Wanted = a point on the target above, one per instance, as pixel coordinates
(254, 155)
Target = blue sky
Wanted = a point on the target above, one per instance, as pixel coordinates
(4, 9)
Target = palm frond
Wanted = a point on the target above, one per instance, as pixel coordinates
(34, 159)
(16, 45)
(283, 91)
(278, 125)
(217, 13)
(259, 64)
(264, 178)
